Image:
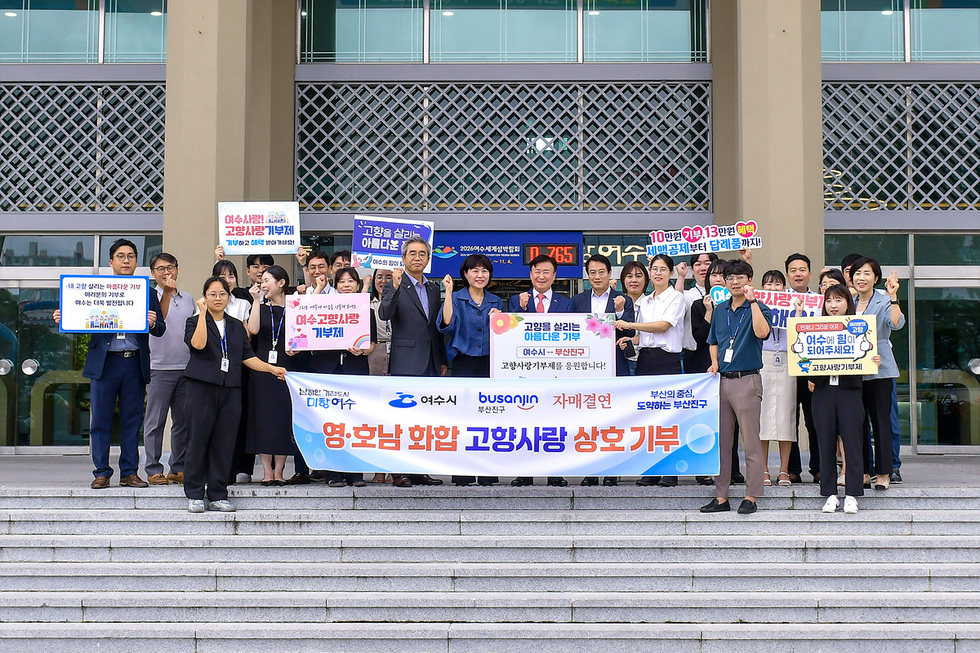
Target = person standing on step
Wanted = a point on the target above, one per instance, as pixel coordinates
(739, 325)
(218, 348)
(119, 366)
(166, 392)
(798, 276)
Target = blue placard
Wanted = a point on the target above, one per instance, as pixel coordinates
(505, 249)
(104, 304)
(377, 242)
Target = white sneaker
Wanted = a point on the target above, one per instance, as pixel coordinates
(831, 504)
(222, 505)
(850, 505)
(195, 505)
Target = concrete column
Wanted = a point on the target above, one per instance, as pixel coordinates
(766, 122)
(229, 123)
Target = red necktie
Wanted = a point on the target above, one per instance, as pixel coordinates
(540, 302)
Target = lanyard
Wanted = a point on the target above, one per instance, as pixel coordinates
(728, 318)
(276, 329)
(224, 347)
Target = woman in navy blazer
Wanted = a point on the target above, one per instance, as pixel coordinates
(219, 348)
(865, 273)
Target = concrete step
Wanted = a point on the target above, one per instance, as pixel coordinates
(482, 577)
(625, 497)
(482, 523)
(705, 549)
(486, 638)
(494, 607)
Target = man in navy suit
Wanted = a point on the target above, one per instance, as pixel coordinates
(542, 299)
(413, 305)
(603, 299)
(119, 366)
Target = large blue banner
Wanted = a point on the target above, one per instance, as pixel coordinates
(621, 426)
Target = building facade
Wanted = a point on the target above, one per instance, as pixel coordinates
(839, 126)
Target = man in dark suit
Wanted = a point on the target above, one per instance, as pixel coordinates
(412, 303)
(119, 366)
(541, 299)
(603, 299)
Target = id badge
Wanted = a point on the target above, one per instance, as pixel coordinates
(729, 355)
(777, 359)
(273, 356)
(120, 336)
(834, 380)
(388, 347)
(224, 364)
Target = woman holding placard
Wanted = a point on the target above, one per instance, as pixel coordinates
(635, 280)
(466, 322)
(219, 349)
(270, 423)
(778, 391)
(865, 273)
(838, 409)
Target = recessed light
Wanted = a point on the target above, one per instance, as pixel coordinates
(302, 13)
(593, 13)
(887, 12)
(156, 13)
(10, 14)
(448, 13)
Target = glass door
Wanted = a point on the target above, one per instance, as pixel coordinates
(44, 400)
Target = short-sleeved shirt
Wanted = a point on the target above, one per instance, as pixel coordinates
(727, 324)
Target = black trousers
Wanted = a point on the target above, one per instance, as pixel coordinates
(878, 404)
(804, 400)
(653, 361)
(213, 413)
(472, 367)
(839, 411)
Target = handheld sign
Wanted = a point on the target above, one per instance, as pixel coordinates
(259, 227)
(703, 239)
(94, 304)
(831, 346)
(720, 294)
(334, 321)
(377, 242)
(552, 345)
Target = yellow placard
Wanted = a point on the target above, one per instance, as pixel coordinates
(827, 346)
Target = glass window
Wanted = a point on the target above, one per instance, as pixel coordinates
(862, 30)
(146, 248)
(361, 30)
(947, 337)
(49, 31)
(46, 251)
(645, 30)
(136, 31)
(947, 249)
(887, 249)
(504, 30)
(945, 30)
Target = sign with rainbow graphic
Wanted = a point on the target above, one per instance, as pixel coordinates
(334, 321)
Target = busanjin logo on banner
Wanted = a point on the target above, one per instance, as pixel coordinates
(524, 402)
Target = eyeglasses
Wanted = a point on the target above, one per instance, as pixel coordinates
(737, 277)
(660, 270)
(165, 268)
(124, 257)
(217, 295)
(417, 254)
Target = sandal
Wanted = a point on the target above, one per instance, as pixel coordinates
(784, 482)
(767, 480)
(378, 478)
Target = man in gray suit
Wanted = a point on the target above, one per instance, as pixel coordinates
(412, 303)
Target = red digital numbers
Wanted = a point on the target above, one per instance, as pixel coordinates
(564, 254)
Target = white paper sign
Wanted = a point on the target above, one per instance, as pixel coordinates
(259, 227)
(704, 239)
(334, 321)
(94, 304)
(552, 345)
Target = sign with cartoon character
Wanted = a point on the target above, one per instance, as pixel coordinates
(831, 346)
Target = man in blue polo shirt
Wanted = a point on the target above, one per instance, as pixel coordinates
(738, 327)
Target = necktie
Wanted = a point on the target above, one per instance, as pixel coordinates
(540, 303)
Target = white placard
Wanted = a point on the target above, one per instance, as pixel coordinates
(552, 345)
(258, 227)
(112, 304)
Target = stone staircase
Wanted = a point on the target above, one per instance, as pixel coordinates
(487, 570)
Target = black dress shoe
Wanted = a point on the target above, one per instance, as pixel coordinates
(795, 478)
(522, 481)
(298, 479)
(746, 507)
(400, 480)
(737, 478)
(610, 481)
(668, 481)
(704, 480)
(487, 481)
(557, 481)
(425, 479)
(590, 481)
(714, 506)
(816, 478)
(647, 481)
(895, 478)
